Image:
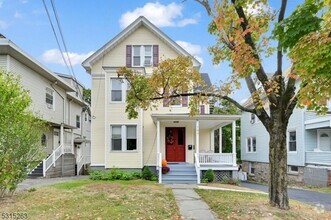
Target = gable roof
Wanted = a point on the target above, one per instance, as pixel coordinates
(128, 31)
(7, 47)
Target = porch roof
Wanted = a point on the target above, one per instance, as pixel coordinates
(206, 121)
(322, 122)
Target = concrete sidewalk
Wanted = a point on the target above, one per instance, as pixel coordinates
(190, 204)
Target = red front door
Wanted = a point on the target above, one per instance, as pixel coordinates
(175, 144)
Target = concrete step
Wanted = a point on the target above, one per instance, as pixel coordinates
(181, 173)
(179, 182)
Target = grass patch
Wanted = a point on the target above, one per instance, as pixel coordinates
(238, 205)
(318, 189)
(89, 199)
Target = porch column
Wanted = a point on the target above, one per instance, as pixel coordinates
(234, 158)
(212, 140)
(158, 151)
(72, 141)
(220, 133)
(197, 140)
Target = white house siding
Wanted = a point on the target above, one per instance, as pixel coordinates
(76, 109)
(3, 62)
(262, 139)
(36, 84)
(311, 139)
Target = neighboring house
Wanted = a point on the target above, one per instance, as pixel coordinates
(308, 145)
(166, 133)
(54, 99)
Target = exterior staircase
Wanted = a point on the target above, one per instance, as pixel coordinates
(180, 173)
(37, 172)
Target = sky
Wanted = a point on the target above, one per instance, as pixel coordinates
(89, 24)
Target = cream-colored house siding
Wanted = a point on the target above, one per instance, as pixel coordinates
(36, 84)
(98, 118)
(142, 36)
(204, 139)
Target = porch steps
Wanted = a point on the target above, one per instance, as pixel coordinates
(37, 172)
(180, 173)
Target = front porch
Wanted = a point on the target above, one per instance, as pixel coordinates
(195, 140)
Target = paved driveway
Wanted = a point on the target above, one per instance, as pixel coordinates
(321, 200)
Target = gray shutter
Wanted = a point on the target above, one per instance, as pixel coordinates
(128, 56)
(155, 55)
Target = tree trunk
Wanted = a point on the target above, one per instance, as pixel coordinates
(278, 196)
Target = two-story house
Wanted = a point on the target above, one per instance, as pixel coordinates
(186, 142)
(54, 100)
(308, 146)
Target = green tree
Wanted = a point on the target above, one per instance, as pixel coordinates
(241, 28)
(20, 147)
(87, 95)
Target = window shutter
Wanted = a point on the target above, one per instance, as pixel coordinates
(155, 55)
(184, 101)
(128, 56)
(202, 109)
(166, 101)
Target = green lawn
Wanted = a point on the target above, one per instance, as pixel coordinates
(87, 199)
(237, 205)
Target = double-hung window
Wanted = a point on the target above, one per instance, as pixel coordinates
(251, 144)
(142, 55)
(116, 90)
(116, 138)
(292, 141)
(123, 137)
(50, 98)
(119, 89)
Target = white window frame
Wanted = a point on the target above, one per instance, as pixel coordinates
(288, 141)
(78, 120)
(249, 141)
(50, 92)
(142, 56)
(124, 89)
(123, 138)
(289, 170)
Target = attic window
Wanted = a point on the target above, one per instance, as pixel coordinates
(142, 55)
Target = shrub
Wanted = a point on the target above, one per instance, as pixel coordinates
(231, 181)
(209, 175)
(114, 174)
(147, 173)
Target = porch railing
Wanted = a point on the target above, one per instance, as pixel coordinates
(216, 159)
(51, 159)
(159, 165)
(197, 167)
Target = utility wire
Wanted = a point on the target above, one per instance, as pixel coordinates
(70, 69)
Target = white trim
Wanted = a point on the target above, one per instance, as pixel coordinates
(97, 165)
(142, 55)
(124, 87)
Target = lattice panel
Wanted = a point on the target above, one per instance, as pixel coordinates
(219, 175)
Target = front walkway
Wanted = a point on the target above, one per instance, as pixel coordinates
(190, 204)
(321, 200)
(38, 182)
